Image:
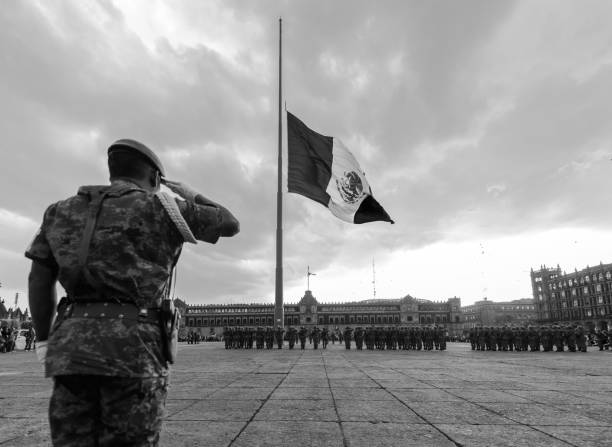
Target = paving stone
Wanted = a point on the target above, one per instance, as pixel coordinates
(196, 433)
(16, 407)
(359, 383)
(24, 431)
(477, 395)
(456, 413)
(597, 412)
(283, 392)
(581, 436)
(498, 436)
(361, 393)
(376, 411)
(359, 434)
(548, 397)
(236, 393)
(538, 414)
(426, 395)
(218, 410)
(294, 434)
(297, 410)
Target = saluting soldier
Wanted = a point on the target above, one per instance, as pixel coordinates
(113, 248)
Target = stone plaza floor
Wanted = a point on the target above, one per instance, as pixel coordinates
(355, 398)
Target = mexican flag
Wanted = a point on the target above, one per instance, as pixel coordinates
(324, 170)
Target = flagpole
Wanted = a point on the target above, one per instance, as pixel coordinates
(278, 301)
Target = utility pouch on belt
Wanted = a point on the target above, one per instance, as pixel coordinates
(169, 321)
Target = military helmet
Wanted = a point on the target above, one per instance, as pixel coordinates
(133, 145)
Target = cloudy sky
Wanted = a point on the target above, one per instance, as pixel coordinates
(483, 127)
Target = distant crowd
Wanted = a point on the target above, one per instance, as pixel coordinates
(8, 338)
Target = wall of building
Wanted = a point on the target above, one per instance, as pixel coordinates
(583, 296)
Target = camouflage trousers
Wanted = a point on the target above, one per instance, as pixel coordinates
(101, 411)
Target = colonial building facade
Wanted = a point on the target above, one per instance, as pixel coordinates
(308, 312)
(583, 296)
(490, 313)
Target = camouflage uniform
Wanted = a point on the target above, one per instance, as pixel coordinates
(110, 375)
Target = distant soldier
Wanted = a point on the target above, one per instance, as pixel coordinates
(524, 339)
(279, 337)
(30, 338)
(227, 337)
(316, 337)
(269, 338)
(570, 338)
(534, 339)
(369, 338)
(347, 337)
(580, 338)
(601, 336)
(259, 338)
(291, 336)
(493, 337)
(302, 336)
(472, 337)
(359, 338)
(557, 338)
(325, 337)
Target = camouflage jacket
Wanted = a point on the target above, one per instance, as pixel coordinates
(131, 255)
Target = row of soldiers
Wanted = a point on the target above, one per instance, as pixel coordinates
(397, 338)
(532, 338)
(391, 338)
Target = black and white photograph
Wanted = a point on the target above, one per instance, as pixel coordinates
(305, 223)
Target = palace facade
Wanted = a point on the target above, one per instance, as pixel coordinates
(583, 296)
(308, 312)
(491, 313)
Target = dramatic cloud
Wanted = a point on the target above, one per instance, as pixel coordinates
(478, 123)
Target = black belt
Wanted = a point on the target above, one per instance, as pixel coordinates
(107, 309)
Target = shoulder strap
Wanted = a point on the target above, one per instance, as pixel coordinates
(97, 196)
(176, 217)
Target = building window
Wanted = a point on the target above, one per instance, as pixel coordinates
(600, 299)
(573, 292)
(585, 290)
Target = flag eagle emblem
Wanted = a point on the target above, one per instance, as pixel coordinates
(324, 170)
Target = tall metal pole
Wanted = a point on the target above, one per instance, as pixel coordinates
(278, 302)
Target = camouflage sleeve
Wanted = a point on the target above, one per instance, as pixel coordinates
(204, 221)
(39, 249)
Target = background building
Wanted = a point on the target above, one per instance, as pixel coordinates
(308, 312)
(583, 296)
(490, 313)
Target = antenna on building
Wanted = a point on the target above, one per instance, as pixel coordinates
(373, 279)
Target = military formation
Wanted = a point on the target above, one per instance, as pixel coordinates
(425, 338)
(533, 338)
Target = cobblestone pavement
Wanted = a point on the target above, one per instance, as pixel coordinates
(335, 397)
